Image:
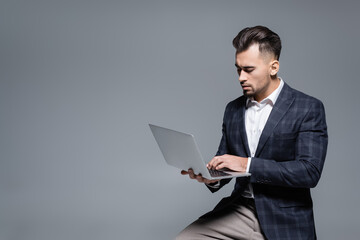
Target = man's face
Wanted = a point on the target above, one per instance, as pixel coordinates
(255, 71)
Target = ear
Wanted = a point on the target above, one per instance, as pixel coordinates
(274, 67)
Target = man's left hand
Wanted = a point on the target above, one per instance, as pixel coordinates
(231, 162)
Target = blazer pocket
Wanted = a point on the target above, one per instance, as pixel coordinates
(287, 203)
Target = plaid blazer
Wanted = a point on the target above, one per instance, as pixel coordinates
(288, 161)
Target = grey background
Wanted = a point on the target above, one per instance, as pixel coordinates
(80, 81)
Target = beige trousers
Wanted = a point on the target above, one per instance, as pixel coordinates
(232, 218)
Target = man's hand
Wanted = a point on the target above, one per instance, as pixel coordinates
(198, 177)
(231, 162)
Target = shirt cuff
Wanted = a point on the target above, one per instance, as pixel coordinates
(213, 185)
(248, 165)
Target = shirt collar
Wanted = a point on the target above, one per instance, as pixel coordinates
(269, 99)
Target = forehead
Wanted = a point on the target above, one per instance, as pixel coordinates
(250, 56)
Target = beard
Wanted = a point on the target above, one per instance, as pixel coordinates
(248, 92)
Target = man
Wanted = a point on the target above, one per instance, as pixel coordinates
(277, 134)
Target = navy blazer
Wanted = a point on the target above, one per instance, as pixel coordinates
(288, 161)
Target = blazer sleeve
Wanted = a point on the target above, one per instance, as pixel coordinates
(305, 170)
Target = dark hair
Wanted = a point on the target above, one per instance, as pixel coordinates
(268, 40)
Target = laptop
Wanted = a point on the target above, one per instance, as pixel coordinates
(181, 151)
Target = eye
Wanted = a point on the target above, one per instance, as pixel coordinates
(249, 70)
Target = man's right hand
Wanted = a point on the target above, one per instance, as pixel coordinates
(198, 177)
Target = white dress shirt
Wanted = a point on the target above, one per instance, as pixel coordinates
(256, 116)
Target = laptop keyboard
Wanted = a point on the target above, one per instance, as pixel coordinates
(216, 173)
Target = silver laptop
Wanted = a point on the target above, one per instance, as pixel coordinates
(180, 150)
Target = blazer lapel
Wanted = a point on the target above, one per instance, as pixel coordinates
(281, 106)
(242, 127)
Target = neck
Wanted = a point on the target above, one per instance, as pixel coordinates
(274, 84)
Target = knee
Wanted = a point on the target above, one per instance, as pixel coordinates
(186, 234)
(182, 235)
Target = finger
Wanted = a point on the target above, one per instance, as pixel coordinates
(209, 165)
(213, 181)
(191, 174)
(208, 181)
(213, 163)
(221, 165)
(183, 172)
(199, 178)
(217, 162)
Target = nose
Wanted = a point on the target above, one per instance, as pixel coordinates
(242, 77)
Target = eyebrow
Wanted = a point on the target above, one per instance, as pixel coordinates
(244, 67)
